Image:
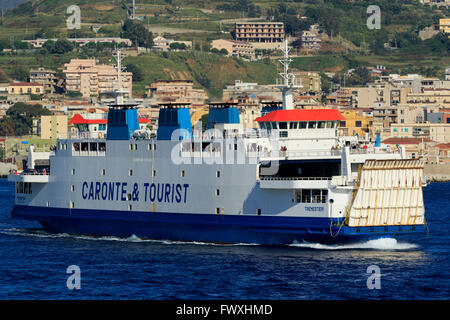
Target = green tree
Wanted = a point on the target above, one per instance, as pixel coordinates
(73, 94)
(19, 119)
(19, 73)
(137, 33)
(137, 72)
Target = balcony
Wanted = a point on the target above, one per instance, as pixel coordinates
(29, 177)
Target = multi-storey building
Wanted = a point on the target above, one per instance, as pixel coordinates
(47, 78)
(163, 91)
(444, 25)
(234, 48)
(92, 79)
(260, 32)
(357, 122)
(439, 132)
(310, 40)
(51, 127)
(309, 80)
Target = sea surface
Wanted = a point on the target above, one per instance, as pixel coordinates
(34, 263)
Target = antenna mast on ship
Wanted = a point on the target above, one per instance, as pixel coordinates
(288, 80)
(119, 92)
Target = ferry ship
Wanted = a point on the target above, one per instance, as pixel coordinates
(292, 180)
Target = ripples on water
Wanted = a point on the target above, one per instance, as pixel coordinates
(34, 264)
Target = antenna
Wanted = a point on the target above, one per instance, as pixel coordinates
(288, 79)
(120, 92)
(133, 14)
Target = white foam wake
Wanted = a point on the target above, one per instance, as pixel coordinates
(377, 244)
(39, 233)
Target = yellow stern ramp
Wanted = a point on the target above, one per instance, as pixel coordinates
(389, 192)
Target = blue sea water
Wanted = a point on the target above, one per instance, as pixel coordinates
(34, 264)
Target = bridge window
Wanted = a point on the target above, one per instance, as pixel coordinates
(312, 125)
(311, 196)
(93, 146)
(303, 125)
(293, 125)
(282, 125)
(321, 124)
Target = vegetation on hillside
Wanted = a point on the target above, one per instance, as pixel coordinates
(19, 119)
(344, 21)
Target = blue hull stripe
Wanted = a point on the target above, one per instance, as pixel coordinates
(199, 227)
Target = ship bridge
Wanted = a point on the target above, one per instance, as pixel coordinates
(301, 129)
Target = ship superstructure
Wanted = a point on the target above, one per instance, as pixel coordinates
(293, 179)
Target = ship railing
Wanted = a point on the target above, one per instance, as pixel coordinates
(371, 151)
(89, 153)
(300, 154)
(34, 173)
(294, 178)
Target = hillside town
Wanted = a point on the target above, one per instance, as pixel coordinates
(412, 110)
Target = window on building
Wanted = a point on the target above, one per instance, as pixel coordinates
(358, 124)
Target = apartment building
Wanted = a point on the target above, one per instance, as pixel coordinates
(310, 81)
(47, 78)
(444, 25)
(430, 97)
(25, 88)
(163, 91)
(260, 33)
(51, 127)
(310, 40)
(92, 79)
(439, 132)
(357, 122)
(234, 48)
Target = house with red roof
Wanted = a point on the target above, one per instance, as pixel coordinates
(94, 126)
